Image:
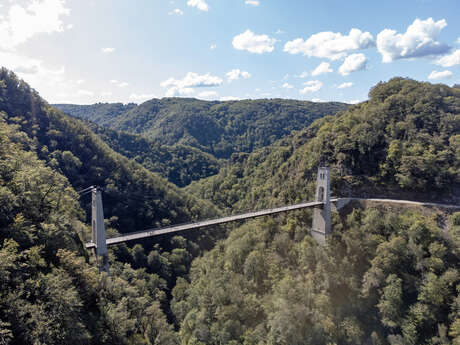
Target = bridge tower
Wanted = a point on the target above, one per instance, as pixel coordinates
(98, 230)
(321, 226)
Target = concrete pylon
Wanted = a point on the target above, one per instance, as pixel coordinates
(98, 231)
(321, 226)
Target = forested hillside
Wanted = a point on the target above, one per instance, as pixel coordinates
(219, 128)
(100, 113)
(403, 142)
(387, 276)
(180, 164)
(49, 293)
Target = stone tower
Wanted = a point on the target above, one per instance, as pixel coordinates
(322, 214)
(98, 230)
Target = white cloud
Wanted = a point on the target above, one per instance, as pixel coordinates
(106, 93)
(184, 86)
(176, 92)
(31, 69)
(323, 68)
(354, 101)
(317, 100)
(435, 75)
(80, 81)
(345, 85)
(236, 74)
(420, 39)
(208, 94)
(119, 83)
(253, 43)
(279, 32)
(23, 23)
(458, 40)
(287, 86)
(200, 4)
(193, 80)
(176, 11)
(252, 2)
(35, 72)
(353, 63)
(330, 45)
(311, 86)
(69, 26)
(450, 60)
(142, 97)
(302, 75)
(229, 98)
(85, 93)
(107, 50)
(213, 46)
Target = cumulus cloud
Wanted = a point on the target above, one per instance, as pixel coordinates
(323, 68)
(23, 23)
(253, 43)
(311, 86)
(176, 11)
(208, 94)
(141, 97)
(450, 60)
(330, 45)
(193, 80)
(85, 93)
(184, 86)
(252, 2)
(287, 86)
(236, 74)
(229, 98)
(435, 75)
(345, 85)
(302, 75)
(420, 39)
(200, 4)
(353, 63)
(213, 46)
(34, 71)
(31, 69)
(108, 50)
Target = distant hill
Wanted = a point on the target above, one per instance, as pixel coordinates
(403, 142)
(180, 164)
(100, 113)
(219, 128)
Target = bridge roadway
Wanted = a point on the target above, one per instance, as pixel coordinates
(191, 226)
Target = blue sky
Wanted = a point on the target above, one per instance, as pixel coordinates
(86, 51)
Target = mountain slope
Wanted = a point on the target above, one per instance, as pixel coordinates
(100, 113)
(403, 142)
(219, 128)
(179, 164)
(134, 198)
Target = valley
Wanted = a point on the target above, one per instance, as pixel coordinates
(387, 274)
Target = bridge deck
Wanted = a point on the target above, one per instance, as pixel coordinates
(190, 226)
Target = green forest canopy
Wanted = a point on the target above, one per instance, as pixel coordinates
(385, 277)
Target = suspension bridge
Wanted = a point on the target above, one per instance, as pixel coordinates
(321, 225)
